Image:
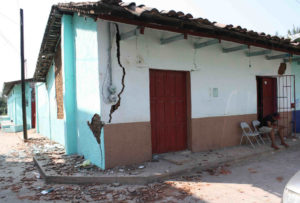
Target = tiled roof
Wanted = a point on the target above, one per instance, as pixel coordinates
(141, 15)
(9, 85)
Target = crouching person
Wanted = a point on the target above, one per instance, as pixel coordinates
(268, 125)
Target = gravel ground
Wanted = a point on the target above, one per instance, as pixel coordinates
(257, 180)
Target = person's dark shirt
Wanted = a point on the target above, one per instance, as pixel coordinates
(266, 119)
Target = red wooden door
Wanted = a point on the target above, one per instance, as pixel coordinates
(168, 110)
(33, 113)
(269, 95)
(33, 110)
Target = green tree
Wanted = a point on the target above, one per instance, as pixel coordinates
(292, 34)
(3, 105)
(294, 31)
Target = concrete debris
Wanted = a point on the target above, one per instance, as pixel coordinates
(19, 179)
(251, 170)
(279, 179)
(219, 170)
(85, 163)
(186, 152)
(141, 167)
(37, 175)
(44, 192)
(155, 158)
(37, 149)
(116, 184)
(134, 173)
(131, 189)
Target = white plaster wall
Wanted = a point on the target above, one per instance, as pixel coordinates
(209, 66)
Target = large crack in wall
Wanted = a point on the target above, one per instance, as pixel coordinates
(96, 124)
(117, 105)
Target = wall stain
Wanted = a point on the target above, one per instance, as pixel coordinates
(117, 105)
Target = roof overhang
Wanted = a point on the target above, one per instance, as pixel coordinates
(142, 16)
(8, 86)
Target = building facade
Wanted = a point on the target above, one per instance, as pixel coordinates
(124, 85)
(13, 92)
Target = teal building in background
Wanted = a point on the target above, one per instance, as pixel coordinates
(13, 92)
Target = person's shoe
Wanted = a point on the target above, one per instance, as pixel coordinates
(285, 144)
(275, 147)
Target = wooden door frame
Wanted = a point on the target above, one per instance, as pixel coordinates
(188, 106)
(188, 109)
(259, 94)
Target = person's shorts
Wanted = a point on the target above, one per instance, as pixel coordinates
(265, 129)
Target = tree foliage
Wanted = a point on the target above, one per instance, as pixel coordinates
(3, 105)
(294, 30)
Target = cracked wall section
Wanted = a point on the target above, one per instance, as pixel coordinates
(117, 105)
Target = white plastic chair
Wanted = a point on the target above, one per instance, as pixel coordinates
(247, 132)
(255, 124)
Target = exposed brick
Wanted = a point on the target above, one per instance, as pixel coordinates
(59, 84)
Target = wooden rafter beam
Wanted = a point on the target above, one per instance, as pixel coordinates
(279, 56)
(129, 34)
(205, 44)
(258, 53)
(173, 39)
(292, 60)
(237, 48)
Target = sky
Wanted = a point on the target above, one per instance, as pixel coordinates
(269, 16)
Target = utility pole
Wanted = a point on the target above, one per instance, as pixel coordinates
(22, 76)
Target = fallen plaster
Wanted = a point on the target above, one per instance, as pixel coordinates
(96, 126)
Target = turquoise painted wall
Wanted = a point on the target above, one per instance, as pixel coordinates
(81, 92)
(87, 88)
(68, 58)
(14, 104)
(47, 110)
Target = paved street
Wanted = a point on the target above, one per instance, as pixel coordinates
(257, 180)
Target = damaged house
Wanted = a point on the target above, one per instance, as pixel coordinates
(124, 81)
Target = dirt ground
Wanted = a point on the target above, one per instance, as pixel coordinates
(257, 180)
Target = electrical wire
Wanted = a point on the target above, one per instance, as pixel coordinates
(8, 42)
(9, 19)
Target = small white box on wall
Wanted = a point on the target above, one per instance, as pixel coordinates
(215, 92)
